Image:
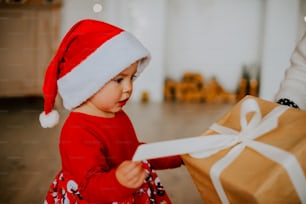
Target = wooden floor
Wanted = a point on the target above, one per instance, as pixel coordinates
(30, 159)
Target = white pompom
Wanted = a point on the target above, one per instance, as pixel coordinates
(49, 120)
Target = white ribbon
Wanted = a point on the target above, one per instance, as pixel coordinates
(251, 130)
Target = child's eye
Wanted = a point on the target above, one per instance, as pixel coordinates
(118, 80)
(133, 77)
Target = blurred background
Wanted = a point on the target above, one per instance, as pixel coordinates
(206, 55)
(217, 39)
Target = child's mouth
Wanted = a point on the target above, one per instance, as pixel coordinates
(123, 102)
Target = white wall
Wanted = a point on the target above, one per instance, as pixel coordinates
(214, 37)
(280, 35)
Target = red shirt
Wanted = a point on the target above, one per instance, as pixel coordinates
(92, 147)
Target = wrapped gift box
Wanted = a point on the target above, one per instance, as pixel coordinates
(252, 177)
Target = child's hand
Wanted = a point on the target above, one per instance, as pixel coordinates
(130, 174)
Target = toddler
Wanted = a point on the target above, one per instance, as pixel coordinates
(93, 70)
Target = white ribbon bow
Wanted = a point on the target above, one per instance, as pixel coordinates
(251, 130)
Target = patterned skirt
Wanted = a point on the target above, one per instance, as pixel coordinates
(64, 190)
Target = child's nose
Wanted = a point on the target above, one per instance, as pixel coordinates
(128, 86)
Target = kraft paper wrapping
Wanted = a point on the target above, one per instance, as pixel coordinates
(251, 177)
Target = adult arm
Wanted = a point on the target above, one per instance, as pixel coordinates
(293, 86)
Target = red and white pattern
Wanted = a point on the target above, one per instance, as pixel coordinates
(64, 190)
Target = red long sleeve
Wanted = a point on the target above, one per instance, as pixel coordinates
(91, 148)
(166, 162)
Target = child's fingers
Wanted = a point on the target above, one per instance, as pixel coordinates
(134, 171)
(129, 168)
(130, 174)
(139, 180)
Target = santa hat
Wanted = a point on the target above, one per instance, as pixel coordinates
(91, 53)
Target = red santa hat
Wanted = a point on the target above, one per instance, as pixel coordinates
(91, 53)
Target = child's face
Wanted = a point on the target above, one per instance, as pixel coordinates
(115, 93)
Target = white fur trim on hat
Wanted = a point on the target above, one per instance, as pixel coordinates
(102, 65)
(49, 120)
